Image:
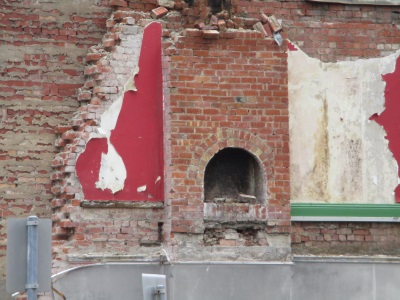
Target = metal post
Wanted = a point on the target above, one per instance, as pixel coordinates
(32, 257)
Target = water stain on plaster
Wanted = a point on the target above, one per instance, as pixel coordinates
(349, 181)
(337, 154)
(320, 171)
(135, 129)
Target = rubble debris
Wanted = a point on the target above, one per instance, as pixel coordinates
(158, 12)
(224, 15)
(274, 24)
(243, 198)
(260, 27)
(230, 24)
(214, 20)
(221, 19)
(200, 25)
(221, 25)
(264, 18)
(267, 29)
(166, 3)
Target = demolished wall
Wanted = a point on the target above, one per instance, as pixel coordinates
(63, 66)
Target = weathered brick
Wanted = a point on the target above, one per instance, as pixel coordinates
(166, 3)
(210, 34)
(119, 3)
(259, 27)
(209, 76)
(158, 12)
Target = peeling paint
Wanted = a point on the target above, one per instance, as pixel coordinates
(130, 85)
(130, 151)
(389, 119)
(141, 188)
(337, 155)
(112, 173)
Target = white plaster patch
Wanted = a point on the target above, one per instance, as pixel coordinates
(130, 84)
(112, 173)
(337, 154)
(141, 188)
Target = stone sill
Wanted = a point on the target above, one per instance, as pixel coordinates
(121, 204)
(93, 258)
(235, 212)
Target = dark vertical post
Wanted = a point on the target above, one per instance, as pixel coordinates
(32, 258)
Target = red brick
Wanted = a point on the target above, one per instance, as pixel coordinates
(120, 3)
(210, 34)
(221, 25)
(158, 12)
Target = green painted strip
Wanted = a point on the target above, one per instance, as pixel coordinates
(345, 210)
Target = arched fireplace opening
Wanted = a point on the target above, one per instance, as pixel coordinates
(234, 175)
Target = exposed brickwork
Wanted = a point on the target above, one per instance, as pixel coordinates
(62, 66)
(89, 230)
(229, 92)
(328, 238)
(42, 58)
(334, 32)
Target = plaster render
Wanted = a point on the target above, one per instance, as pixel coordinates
(112, 173)
(337, 154)
(130, 161)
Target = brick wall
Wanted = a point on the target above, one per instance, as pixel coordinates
(227, 92)
(61, 66)
(203, 116)
(206, 80)
(334, 32)
(42, 56)
(344, 238)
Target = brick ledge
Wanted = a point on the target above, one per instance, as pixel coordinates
(121, 204)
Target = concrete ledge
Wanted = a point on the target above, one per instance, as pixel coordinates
(94, 258)
(347, 259)
(121, 204)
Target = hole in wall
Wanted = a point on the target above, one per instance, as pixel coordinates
(219, 5)
(234, 175)
(160, 231)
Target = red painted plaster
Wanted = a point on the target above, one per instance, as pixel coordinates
(137, 136)
(291, 47)
(389, 119)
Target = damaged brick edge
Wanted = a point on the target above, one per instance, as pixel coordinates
(72, 137)
(217, 23)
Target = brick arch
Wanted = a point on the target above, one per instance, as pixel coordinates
(234, 138)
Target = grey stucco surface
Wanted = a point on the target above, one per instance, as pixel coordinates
(302, 280)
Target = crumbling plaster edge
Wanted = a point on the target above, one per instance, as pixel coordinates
(386, 65)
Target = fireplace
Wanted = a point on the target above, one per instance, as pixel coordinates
(234, 175)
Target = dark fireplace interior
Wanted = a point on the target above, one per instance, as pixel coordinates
(233, 175)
